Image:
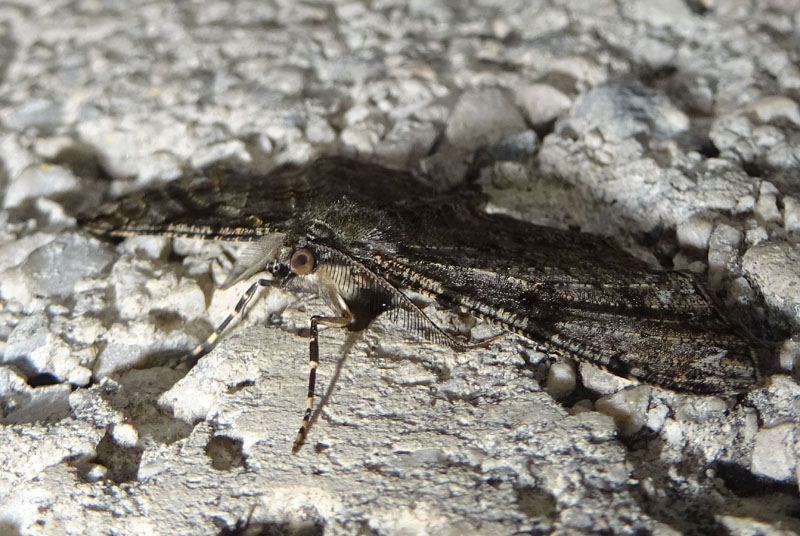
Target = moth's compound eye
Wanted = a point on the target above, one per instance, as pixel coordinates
(302, 261)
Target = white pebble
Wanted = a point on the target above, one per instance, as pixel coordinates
(775, 107)
(773, 453)
(628, 408)
(791, 214)
(694, 233)
(561, 380)
(542, 103)
(483, 117)
(723, 246)
(755, 236)
(767, 204)
(125, 435)
(789, 356)
(39, 180)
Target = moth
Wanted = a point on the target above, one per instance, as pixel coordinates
(363, 236)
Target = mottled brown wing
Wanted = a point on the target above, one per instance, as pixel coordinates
(225, 204)
(574, 292)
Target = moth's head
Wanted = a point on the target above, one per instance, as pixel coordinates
(291, 261)
(270, 256)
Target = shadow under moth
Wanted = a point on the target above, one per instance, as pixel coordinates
(362, 236)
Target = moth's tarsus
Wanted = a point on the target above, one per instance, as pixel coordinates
(364, 235)
(313, 363)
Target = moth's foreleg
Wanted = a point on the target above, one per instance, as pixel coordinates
(313, 363)
(207, 345)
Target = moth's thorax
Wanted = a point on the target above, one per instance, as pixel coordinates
(346, 222)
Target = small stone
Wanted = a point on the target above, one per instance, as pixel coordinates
(357, 114)
(581, 406)
(704, 409)
(621, 112)
(362, 137)
(127, 344)
(745, 204)
(696, 267)
(15, 252)
(58, 265)
(319, 131)
(152, 464)
(667, 13)
(17, 290)
(96, 473)
(406, 141)
(628, 408)
(154, 247)
(680, 262)
(732, 134)
(755, 236)
(767, 204)
(657, 416)
(542, 103)
(773, 266)
(601, 381)
(125, 435)
(723, 246)
(22, 403)
(483, 118)
(694, 233)
(561, 380)
(775, 107)
(30, 333)
(35, 113)
(34, 348)
(517, 147)
(501, 28)
(768, 136)
(39, 180)
(773, 453)
(654, 53)
(232, 150)
(791, 214)
(740, 292)
(162, 166)
(789, 356)
(672, 432)
(52, 212)
(187, 299)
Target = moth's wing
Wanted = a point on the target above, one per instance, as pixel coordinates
(216, 203)
(228, 204)
(575, 292)
(253, 258)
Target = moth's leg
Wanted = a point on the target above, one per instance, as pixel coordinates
(313, 363)
(207, 345)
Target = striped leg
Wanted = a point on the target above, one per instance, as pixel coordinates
(313, 363)
(207, 345)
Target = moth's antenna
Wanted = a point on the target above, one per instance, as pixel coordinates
(207, 345)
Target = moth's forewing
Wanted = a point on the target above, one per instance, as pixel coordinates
(221, 203)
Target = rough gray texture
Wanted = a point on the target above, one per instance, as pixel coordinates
(671, 126)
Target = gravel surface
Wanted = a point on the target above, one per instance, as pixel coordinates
(671, 126)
